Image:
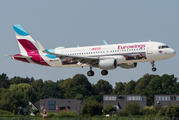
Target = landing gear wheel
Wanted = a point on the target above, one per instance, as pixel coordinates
(90, 73)
(154, 69)
(104, 72)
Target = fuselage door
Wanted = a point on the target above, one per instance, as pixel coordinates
(149, 48)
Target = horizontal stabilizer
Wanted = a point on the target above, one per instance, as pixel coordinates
(18, 56)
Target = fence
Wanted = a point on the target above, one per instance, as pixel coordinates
(87, 118)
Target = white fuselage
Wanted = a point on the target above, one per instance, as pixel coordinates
(150, 50)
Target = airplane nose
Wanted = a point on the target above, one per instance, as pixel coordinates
(173, 53)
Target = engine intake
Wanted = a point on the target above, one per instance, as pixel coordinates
(107, 64)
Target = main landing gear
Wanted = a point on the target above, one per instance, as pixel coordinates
(153, 68)
(91, 72)
(104, 72)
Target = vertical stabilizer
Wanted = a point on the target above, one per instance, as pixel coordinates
(25, 41)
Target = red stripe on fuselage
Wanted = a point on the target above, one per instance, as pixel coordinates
(32, 51)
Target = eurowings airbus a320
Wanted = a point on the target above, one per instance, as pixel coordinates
(106, 57)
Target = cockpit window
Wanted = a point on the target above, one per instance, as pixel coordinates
(162, 47)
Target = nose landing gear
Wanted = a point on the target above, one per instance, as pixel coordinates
(153, 68)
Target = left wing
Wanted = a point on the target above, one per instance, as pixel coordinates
(81, 59)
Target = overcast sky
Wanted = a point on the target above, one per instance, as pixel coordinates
(70, 23)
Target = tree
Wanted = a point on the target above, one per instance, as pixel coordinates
(79, 84)
(66, 86)
(8, 100)
(130, 87)
(92, 108)
(93, 97)
(51, 89)
(4, 81)
(166, 84)
(172, 111)
(103, 87)
(132, 108)
(16, 80)
(109, 109)
(37, 85)
(15, 96)
(143, 82)
(79, 97)
(22, 93)
(119, 88)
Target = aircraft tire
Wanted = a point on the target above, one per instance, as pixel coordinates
(90, 73)
(154, 69)
(104, 72)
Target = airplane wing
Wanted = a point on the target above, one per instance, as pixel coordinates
(18, 56)
(81, 59)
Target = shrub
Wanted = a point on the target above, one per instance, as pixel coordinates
(149, 111)
(35, 111)
(51, 114)
(66, 114)
(160, 114)
(3, 112)
(109, 109)
(92, 108)
(122, 113)
(132, 108)
(172, 111)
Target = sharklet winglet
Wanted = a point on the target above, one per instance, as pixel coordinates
(105, 43)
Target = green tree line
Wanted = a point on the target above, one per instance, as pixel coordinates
(17, 91)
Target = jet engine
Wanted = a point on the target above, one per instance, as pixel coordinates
(128, 65)
(107, 64)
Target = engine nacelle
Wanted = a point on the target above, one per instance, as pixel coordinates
(128, 65)
(107, 64)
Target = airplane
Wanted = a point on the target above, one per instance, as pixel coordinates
(106, 57)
